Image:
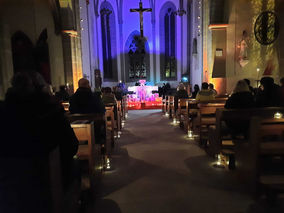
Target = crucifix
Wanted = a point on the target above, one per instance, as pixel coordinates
(141, 10)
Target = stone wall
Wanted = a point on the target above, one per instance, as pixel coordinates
(244, 53)
(31, 17)
(243, 15)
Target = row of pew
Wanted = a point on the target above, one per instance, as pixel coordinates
(248, 141)
(97, 135)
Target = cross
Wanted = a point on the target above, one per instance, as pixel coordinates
(141, 10)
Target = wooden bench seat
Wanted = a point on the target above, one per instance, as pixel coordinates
(84, 131)
(222, 132)
(110, 123)
(207, 118)
(272, 179)
(258, 172)
(272, 148)
(99, 125)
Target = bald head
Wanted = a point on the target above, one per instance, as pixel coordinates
(83, 82)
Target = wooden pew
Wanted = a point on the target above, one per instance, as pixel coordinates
(257, 163)
(191, 122)
(110, 122)
(84, 131)
(207, 118)
(124, 107)
(190, 115)
(182, 113)
(170, 106)
(164, 105)
(99, 125)
(66, 106)
(222, 139)
(117, 118)
(55, 181)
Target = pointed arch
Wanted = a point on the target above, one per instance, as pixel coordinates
(168, 42)
(22, 52)
(108, 31)
(137, 58)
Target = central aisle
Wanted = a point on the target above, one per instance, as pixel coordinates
(157, 170)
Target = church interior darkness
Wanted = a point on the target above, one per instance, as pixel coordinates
(171, 106)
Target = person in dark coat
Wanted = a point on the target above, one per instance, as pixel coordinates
(84, 101)
(32, 126)
(241, 97)
(62, 95)
(118, 93)
(196, 89)
(211, 87)
(251, 89)
(181, 93)
(268, 94)
(282, 92)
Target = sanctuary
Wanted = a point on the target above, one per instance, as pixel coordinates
(144, 97)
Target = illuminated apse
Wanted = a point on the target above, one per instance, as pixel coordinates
(113, 43)
(143, 97)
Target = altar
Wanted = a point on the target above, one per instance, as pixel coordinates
(144, 97)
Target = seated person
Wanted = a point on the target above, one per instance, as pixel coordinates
(211, 87)
(118, 93)
(181, 93)
(84, 101)
(250, 87)
(205, 94)
(281, 92)
(62, 95)
(32, 125)
(108, 97)
(269, 93)
(241, 98)
(195, 91)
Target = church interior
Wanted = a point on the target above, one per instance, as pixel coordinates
(129, 106)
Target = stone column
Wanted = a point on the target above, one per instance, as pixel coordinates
(6, 63)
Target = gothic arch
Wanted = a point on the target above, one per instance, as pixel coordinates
(22, 52)
(108, 35)
(42, 56)
(168, 41)
(136, 51)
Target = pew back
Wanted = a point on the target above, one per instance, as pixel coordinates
(84, 131)
(266, 138)
(222, 136)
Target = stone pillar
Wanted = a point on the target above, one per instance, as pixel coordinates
(154, 49)
(72, 44)
(67, 56)
(219, 49)
(6, 63)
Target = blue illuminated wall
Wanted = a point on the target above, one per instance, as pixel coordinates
(168, 35)
(126, 25)
(108, 34)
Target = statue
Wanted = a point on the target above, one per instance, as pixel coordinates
(243, 50)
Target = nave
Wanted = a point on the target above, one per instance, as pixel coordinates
(157, 169)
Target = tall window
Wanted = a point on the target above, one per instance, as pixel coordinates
(137, 58)
(168, 42)
(108, 41)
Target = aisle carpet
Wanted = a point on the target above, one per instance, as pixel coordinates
(157, 170)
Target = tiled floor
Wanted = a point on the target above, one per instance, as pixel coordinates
(157, 170)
